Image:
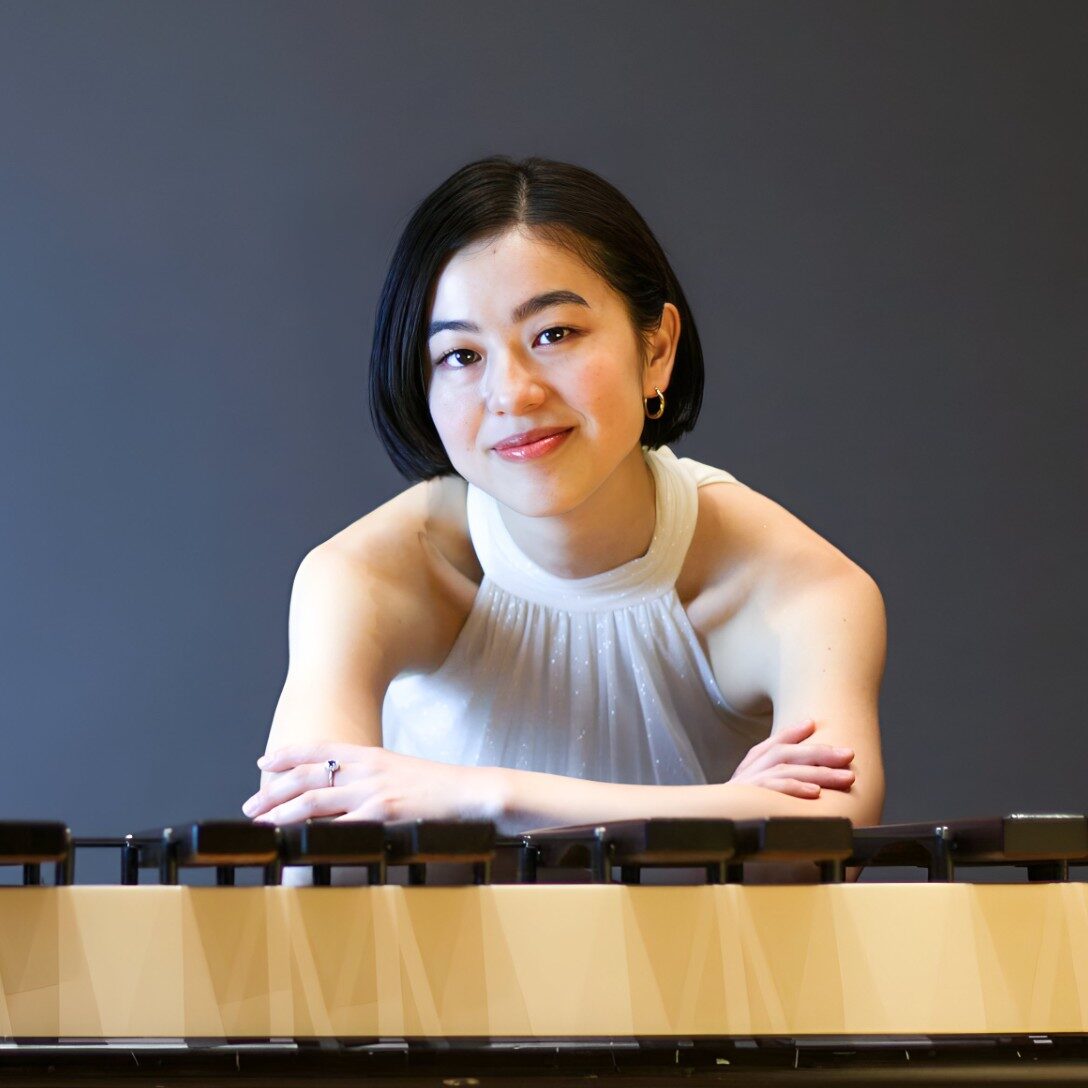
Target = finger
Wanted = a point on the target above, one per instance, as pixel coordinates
(373, 811)
(791, 733)
(803, 727)
(288, 784)
(818, 755)
(283, 759)
(792, 787)
(330, 801)
(835, 778)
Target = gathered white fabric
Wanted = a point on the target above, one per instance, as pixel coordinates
(600, 678)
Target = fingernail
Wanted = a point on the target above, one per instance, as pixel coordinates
(249, 806)
(262, 762)
(844, 751)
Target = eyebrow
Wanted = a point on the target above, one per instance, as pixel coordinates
(522, 311)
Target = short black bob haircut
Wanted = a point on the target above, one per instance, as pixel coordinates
(559, 203)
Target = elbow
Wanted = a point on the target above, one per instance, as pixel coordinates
(862, 808)
(863, 803)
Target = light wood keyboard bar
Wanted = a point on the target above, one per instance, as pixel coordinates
(550, 961)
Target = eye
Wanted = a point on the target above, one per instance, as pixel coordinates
(451, 360)
(556, 329)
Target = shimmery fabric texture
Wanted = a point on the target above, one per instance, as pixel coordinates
(600, 678)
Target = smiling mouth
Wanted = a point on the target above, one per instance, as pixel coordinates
(531, 444)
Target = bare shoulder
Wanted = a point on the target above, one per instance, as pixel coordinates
(429, 515)
(387, 594)
(752, 565)
(407, 567)
(746, 545)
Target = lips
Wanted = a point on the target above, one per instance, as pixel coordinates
(527, 438)
(530, 445)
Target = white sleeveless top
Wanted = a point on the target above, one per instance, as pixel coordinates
(600, 678)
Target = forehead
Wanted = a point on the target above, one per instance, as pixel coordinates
(489, 278)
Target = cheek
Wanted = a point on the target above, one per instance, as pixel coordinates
(614, 399)
(454, 418)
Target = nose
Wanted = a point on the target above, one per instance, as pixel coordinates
(511, 384)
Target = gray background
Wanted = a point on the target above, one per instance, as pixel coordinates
(876, 209)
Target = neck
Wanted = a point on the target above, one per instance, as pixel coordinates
(611, 527)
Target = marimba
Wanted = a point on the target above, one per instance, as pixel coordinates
(518, 973)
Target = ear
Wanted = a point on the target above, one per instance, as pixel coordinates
(657, 369)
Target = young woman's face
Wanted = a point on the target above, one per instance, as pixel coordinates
(538, 391)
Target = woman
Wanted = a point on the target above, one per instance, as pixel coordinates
(561, 621)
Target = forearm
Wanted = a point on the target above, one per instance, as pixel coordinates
(532, 799)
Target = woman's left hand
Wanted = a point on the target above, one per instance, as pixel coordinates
(371, 784)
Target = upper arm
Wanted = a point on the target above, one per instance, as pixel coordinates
(335, 677)
(386, 595)
(826, 650)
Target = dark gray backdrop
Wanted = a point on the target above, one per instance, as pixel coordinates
(877, 211)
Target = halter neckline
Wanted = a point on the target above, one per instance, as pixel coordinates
(647, 576)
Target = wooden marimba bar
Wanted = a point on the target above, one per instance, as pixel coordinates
(517, 973)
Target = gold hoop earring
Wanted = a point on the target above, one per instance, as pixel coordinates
(660, 410)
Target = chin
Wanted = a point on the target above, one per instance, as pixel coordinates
(540, 509)
(539, 498)
(535, 506)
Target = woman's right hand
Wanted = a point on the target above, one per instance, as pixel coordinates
(783, 763)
